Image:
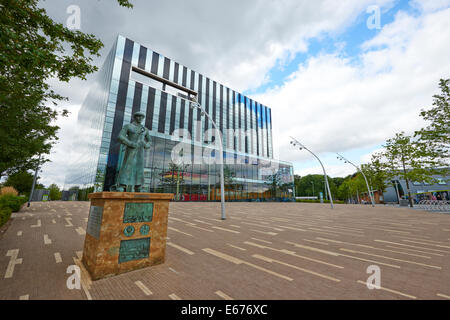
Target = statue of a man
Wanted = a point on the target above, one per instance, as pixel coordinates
(136, 138)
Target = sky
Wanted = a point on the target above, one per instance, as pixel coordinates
(340, 76)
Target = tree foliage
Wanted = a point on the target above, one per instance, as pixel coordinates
(408, 159)
(436, 136)
(33, 50)
(55, 192)
(22, 181)
(304, 185)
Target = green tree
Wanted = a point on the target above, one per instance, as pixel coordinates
(313, 184)
(33, 50)
(375, 174)
(338, 181)
(21, 181)
(435, 137)
(55, 192)
(408, 159)
(353, 186)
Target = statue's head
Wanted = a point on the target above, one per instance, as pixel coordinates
(139, 117)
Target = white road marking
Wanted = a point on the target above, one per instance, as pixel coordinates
(292, 253)
(25, 297)
(180, 248)
(173, 296)
(203, 222)
(427, 244)
(58, 258)
(390, 290)
(406, 261)
(265, 232)
(47, 239)
(257, 256)
(343, 255)
(14, 253)
(261, 240)
(80, 231)
(239, 261)
(39, 224)
(374, 248)
(223, 295)
(53, 221)
(19, 233)
(144, 289)
(236, 247)
(443, 295)
(69, 223)
(414, 250)
(176, 230)
(228, 230)
(313, 241)
(173, 270)
(262, 226)
(407, 245)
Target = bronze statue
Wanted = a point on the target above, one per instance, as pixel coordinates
(136, 138)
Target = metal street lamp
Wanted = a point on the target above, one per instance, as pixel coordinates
(196, 105)
(325, 188)
(295, 143)
(358, 169)
(34, 181)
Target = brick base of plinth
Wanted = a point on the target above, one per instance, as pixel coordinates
(117, 242)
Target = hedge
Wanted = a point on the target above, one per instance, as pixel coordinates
(5, 214)
(11, 201)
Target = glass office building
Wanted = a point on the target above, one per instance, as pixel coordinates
(184, 157)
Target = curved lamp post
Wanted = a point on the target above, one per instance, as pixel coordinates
(295, 143)
(358, 169)
(34, 180)
(196, 105)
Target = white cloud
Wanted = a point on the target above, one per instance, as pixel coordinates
(332, 104)
(60, 156)
(430, 5)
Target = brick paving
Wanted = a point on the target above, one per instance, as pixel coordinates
(262, 251)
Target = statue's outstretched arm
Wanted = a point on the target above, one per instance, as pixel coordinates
(124, 139)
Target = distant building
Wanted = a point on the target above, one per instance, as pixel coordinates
(135, 78)
(419, 190)
(40, 195)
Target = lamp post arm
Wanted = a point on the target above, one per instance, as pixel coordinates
(365, 178)
(325, 175)
(323, 168)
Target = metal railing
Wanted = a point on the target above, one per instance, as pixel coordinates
(434, 205)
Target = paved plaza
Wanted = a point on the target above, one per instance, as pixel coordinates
(262, 251)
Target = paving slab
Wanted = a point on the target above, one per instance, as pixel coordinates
(261, 251)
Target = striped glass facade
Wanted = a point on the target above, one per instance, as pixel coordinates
(135, 78)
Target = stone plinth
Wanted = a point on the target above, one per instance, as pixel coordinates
(126, 231)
